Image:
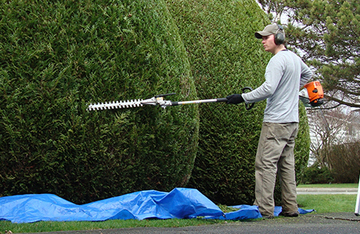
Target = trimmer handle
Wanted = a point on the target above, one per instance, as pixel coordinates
(250, 105)
(221, 99)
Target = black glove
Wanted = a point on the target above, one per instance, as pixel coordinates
(234, 99)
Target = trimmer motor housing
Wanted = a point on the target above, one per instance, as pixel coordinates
(312, 94)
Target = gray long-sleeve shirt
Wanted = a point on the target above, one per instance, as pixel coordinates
(285, 74)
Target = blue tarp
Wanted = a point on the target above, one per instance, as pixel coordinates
(180, 203)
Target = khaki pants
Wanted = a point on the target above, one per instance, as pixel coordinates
(275, 153)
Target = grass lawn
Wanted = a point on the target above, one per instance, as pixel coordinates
(110, 224)
(327, 203)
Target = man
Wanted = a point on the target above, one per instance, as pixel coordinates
(285, 74)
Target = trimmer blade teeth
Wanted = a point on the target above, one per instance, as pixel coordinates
(115, 105)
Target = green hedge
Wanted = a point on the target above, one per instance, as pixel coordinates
(225, 56)
(316, 175)
(58, 56)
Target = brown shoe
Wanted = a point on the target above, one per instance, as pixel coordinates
(289, 214)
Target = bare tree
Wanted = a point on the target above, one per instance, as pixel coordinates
(329, 128)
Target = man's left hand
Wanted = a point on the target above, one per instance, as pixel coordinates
(234, 99)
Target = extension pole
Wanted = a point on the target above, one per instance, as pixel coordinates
(199, 101)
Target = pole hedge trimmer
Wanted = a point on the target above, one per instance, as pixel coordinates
(157, 100)
(311, 95)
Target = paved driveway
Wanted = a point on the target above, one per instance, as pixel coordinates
(326, 190)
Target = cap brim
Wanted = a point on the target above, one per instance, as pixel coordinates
(261, 34)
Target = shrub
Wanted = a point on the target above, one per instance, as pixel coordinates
(56, 57)
(302, 144)
(344, 162)
(225, 56)
(317, 175)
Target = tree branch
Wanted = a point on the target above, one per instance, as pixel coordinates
(342, 102)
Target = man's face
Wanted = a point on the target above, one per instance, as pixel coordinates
(269, 43)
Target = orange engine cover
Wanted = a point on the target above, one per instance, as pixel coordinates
(315, 92)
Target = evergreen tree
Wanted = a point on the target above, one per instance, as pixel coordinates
(326, 34)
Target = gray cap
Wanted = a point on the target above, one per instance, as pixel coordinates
(268, 30)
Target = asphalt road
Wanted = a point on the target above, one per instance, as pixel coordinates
(340, 223)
